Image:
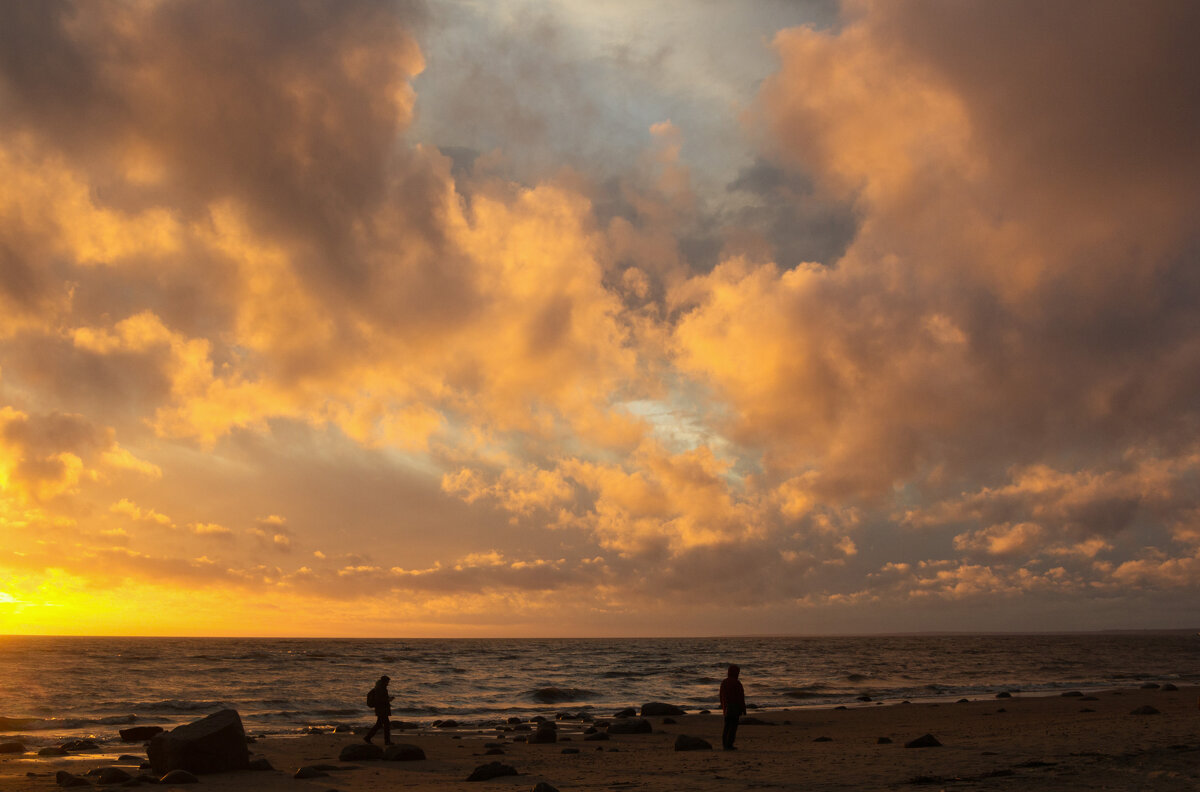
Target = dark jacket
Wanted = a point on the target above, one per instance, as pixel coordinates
(733, 696)
(383, 704)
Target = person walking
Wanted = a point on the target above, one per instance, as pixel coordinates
(733, 704)
(379, 700)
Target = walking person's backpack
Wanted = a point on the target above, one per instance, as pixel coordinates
(372, 697)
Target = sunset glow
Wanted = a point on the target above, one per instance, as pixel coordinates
(566, 318)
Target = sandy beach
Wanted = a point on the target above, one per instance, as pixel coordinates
(1093, 741)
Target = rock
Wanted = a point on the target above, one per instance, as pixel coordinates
(130, 758)
(1145, 710)
(884, 741)
(685, 742)
(65, 779)
(12, 747)
(491, 770)
(514, 720)
(630, 726)
(80, 745)
(1004, 694)
(398, 725)
(360, 752)
(595, 736)
(924, 741)
(542, 786)
(823, 739)
(863, 698)
(570, 750)
(259, 764)
(1169, 688)
(403, 752)
(1072, 694)
(178, 777)
(658, 709)
(1150, 686)
(546, 733)
(963, 701)
(139, 733)
(52, 750)
(113, 775)
(750, 720)
(309, 772)
(210, 745)
(628, 712)
(494, 752)
(449, 723)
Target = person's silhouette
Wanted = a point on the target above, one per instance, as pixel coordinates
(381, 702)
(733, 703)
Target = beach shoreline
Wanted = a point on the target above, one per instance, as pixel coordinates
(1025, 742)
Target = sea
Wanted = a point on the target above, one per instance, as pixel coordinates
(56, 688)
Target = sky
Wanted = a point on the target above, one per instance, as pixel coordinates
(562, 318)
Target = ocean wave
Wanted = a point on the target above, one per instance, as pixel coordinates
(555, 695)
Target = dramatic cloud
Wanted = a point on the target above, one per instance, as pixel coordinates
(510, 321)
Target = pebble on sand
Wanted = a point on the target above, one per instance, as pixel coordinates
(491, 770)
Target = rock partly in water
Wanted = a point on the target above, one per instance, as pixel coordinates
(491, 770)
(630, 726)
(52, 750)
(210, 745)
(1072, 694)
(80, 745)
(1004, 694)
(659, 709)
(686, 742)
(139, 733)
(924, 741)
(628, 712)
(403, 752)
(178, 777)
(1145, 710)
(361, 752)
(1169, 688)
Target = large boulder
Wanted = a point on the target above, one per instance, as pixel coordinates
(658, 708)
(630, 726)
(12, 747)
(139, 733)
(210, 745)
(546, 733)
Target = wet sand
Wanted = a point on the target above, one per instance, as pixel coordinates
(1020, 743)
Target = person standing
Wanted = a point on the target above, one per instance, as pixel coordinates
(733, 704)
(379, 700)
